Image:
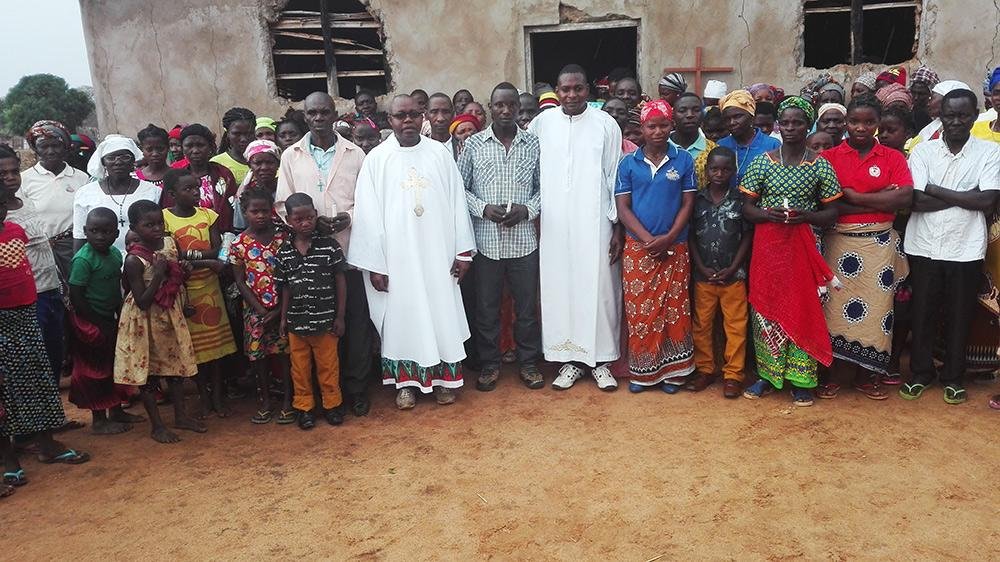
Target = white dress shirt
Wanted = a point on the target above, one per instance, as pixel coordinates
(952, 234)
(53, 195)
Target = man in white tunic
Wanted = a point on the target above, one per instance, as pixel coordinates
(580, 242)
(413, 235)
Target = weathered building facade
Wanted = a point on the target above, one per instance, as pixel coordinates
(190, 60)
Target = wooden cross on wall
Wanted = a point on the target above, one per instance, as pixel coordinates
(698, 70)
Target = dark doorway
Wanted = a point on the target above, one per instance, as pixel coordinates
(597, 50)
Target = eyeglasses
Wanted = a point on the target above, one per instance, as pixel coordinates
(402, 115)
(126, 157)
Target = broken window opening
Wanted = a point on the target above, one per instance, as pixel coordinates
(886, 32)
(598, 47)
(354, 45)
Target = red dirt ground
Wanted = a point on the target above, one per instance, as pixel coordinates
(536, 475)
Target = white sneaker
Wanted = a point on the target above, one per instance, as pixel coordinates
(568, 375)
(605, 381)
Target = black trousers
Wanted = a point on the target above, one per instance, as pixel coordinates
(521, 275)
(951, 286)
(356, 345)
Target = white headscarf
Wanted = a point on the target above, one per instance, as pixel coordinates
(110, 144)
(831, 107)
(716, 89)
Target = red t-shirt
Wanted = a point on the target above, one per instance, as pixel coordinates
(879, 169)
(17, 284)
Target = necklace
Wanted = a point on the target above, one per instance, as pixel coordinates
(781, 153)
(121, 206)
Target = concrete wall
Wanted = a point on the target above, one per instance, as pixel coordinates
(190, 60)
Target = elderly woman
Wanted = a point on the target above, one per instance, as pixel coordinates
(114, 187)
(50, 185)
(463, 126)
(831, 118)
(263, 156)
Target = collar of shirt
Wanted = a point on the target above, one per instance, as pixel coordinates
(318, 152)
(67, 171)
(640, 155)
(698, 145)
(704, 194)
(489, 134)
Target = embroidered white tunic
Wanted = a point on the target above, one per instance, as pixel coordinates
(581, 291)
(410, 221)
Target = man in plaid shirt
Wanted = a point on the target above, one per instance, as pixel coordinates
(500, 168)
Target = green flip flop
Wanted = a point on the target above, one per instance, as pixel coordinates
(912, 390)
(954, 395)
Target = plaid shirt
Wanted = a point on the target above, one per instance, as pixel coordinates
(494, 176)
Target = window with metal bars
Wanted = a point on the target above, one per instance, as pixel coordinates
(334, 46)
(860, 31)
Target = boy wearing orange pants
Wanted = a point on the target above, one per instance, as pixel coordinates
(721, 243)
(310, 272)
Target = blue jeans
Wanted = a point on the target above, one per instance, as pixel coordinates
(51, 315)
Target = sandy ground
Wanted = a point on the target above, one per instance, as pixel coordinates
(537, 475)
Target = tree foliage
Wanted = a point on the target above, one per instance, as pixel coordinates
(43, 96)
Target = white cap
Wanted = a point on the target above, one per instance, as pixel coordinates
(716, 89)
(944, 87)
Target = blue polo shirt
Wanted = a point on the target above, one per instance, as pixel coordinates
(759, 144)
(657, 190)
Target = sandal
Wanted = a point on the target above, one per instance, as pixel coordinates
(69, 456)
(261, 417)
(802, 397)
(286, 417)
(872, 390)
(912, 391)
(758, 389)
(15, 478)
(892, 379)
(827, 391)
(995, 402)
(954, 394)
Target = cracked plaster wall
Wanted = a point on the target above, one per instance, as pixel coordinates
(190, 60)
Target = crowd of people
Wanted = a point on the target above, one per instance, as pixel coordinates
(795, 241)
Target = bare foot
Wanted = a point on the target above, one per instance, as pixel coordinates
(108, 427)
(222, 411)
(123, 417)
(190, 424)
(164, 435)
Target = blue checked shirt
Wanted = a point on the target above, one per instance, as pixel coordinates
(494, 176)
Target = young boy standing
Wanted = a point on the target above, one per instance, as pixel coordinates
(721, 245)
(310, 273)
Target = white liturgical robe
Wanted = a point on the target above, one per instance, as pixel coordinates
(580, 290)
(410, 222)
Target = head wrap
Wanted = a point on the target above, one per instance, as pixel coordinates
(547, 100)
(867, 79)
(994, 79)
(893, 93)
(265, 123)
(833, 85)
(796, 102)
(895, 74)
(831, 107)
(655, 108)
(715, 89)
(110, 144)
(47, 130)
(944, 87)
(925, 75)
(738, 98)
(175, 133)
(674, 82)
(758, 87)
(464, 118)
(259, 146)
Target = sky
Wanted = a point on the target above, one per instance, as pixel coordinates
(58, 48)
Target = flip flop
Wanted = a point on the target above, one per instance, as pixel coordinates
(69, 456)
(261, 417)
(912, 391)
(286, 417)
(15, 478)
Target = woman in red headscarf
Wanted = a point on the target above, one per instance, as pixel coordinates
(654, 197)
